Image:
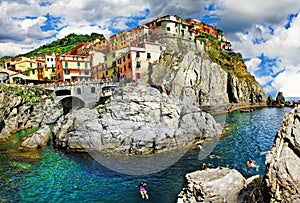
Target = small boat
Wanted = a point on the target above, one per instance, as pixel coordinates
(107, 92)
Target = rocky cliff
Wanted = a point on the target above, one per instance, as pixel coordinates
(283, 161)
(24, 107)
(187, 69)
(281, 182)
(138, 119)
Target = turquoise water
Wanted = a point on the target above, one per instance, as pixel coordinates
(67, 177)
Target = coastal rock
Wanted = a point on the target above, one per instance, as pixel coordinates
(283, 162)
(38, 139)
(25, 107)
(138, 119)
(280, 100)
(188, 72)
(212, 185)
(254, 191)
(51, 112)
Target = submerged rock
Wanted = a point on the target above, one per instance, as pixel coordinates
(138, 119)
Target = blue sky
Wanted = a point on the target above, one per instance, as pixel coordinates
(267, 35)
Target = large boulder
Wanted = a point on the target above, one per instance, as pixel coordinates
(283, 162)
(212, 185)
(138, 119)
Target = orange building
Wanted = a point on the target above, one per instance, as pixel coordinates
(72, 67)
(201, 27)
(125, 66)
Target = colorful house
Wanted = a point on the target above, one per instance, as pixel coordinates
(72, 68)
(142, 58)
(174, 26)
(125, 66)
(199, 27)
(50, 66)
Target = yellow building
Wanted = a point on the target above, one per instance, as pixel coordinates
(109, 68)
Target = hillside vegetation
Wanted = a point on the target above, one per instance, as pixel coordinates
(64, 45)
(231, 63)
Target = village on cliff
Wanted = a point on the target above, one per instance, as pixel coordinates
(128, 54)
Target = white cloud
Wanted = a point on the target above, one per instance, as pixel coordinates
(269, 89)
(279, 43)
(253, 65)
(288, 83)
(264, 80)
(239, 15)
(81, 29)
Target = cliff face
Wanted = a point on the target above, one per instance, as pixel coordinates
(187, 70)
(25, 107)
(283, 162)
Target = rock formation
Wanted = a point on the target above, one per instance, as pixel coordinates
(212, 185)
(25, 107)
(138, 119)
(283, 162)
(38, 139)
(187, 70)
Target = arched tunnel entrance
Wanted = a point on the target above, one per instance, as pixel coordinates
(71, 103)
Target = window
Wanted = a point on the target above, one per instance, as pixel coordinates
(105, 58)
(86, 66)
(149, 65)
(114, 55)
(66, 64)
(129, 65)
(78, 91)
(128, 56)
(79, 72)
(183, 26)
(137, 54)
(124, 67)
(168, 29)
(51, 59)
(106, 72)
(138, 64)
(30, 65)
(93, 90)
(53, 69)
(32, 72)
(48, 59)
(39, 71)
(86, 73)
(148, 55)
(67, 72)
(78, 64)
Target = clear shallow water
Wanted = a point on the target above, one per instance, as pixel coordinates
(67, 177)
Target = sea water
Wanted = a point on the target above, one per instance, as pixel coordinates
(71, 177)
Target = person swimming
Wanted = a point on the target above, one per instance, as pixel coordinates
(250, 163)
(142, 189)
